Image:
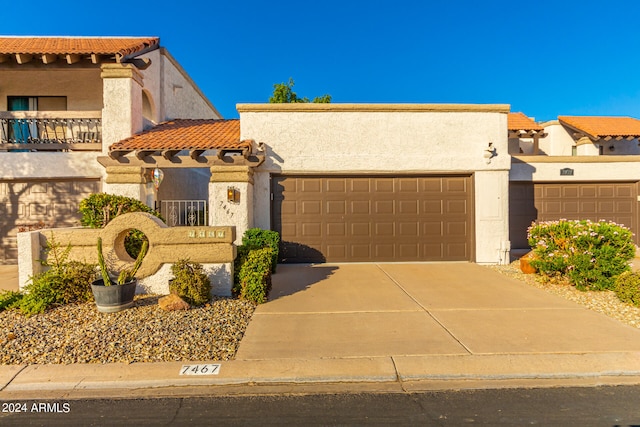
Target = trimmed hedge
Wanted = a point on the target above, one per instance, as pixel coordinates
(252, 274)
(627, 288)
(257, 238)
(589, 254)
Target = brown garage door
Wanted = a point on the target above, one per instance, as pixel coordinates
(31, 203)
(611, 201)
(373, 218)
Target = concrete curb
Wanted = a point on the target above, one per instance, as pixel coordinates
(375, 374)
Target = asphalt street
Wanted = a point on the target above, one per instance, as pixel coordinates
(593, 406)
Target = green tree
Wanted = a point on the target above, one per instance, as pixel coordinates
(283, 94)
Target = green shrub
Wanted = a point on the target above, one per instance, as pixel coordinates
(627, 288)
(589, 254)
(257, 238)
(99, 209)
(190, 282)
(65, 282)
(9, 299)
(252, 274)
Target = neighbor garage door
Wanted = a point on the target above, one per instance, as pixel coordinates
(373, 218)
(38, 203)
(611, 201)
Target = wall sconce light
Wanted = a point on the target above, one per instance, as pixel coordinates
(490, 152)
(612, 148)
(233, 195)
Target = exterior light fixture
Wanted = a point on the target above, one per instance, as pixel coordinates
(233, 195)
(489, 152)
(157, 177)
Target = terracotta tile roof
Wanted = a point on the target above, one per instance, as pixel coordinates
(75, 45)
(186, 134)
(601, 127)
(519, 121)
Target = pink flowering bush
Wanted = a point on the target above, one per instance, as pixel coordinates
(589, 254)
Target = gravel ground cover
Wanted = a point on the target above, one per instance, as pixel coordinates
(78, 333)
(605, 302)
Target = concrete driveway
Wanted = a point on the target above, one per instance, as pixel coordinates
(372, 310)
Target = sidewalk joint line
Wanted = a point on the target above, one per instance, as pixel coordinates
(14, 377)
(425, 309)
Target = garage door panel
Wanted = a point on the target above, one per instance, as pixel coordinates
(32, 203)
(336, 186)
(38, 211)
(407, 207)
(360, 207)
(383, 207)
(611, 201)
(384, 185)
(385, 229)
(410, 218)
(360, 185)
(336, 207)
(408, 185)
(360, 252)
(311, 207)
(456, 185)
(457, 251)
(624, 207)
(310, 186)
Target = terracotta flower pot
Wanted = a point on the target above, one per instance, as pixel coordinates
(114, 298)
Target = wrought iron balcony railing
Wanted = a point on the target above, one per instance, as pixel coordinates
(50, 130)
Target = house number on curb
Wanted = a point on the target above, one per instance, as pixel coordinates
(208, 369)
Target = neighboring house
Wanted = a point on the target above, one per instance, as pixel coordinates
(63, 102)
(586, 168)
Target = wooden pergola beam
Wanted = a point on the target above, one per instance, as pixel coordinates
(169, 154)
(49, 58)
(141, 154)
(23, 58)
(72, 58)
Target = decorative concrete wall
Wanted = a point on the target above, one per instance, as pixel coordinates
(210, 246)
(393, 139)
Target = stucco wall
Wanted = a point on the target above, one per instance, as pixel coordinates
(49, 165)
(585, 168)
(175, 94)
(82, 87)
(394, 139)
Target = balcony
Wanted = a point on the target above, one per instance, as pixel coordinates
(50, 131)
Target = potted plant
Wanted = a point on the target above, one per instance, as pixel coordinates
(115, 291)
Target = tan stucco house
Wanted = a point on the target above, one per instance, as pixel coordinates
(63, 102)
(340, 182)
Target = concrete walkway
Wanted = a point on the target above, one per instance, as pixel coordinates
(380, 327)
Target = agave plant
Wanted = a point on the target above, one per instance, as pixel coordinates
(125, 275)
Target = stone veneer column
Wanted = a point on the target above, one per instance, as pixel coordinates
(229, 213)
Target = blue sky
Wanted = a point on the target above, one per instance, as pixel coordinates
(544, 58)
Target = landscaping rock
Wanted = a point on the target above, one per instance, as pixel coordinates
(172, 302)
(525, 265)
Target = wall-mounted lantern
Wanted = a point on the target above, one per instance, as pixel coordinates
(490, 152)
(233, 195)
